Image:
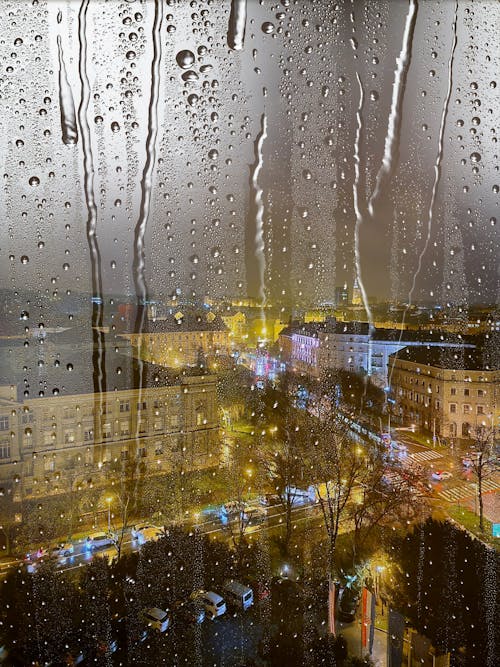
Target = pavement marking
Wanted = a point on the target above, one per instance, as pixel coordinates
(468, 490)
(427, 455)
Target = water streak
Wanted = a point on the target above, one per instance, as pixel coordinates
(392, 139)
(259, 224)
(66, 103)
(237, 24)
(139, 264)
(356, 197)
(147, 174)
(437, 177)
(439, 156)
(98, 353)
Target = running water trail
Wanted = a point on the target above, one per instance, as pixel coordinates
(237, 24)
(98, 351)
(66, 103)
(356, 196)
(437, 177)
(392, 139)
(259, 247)
(139, 264)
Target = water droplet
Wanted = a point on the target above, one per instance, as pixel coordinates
(185, 58)
(69, 367)
(18, 41)
(475, 157)
(25, 315)
(118, 203)
(496, 189)
(192, 99)
(65, 266)
(476, 120)
(34, 181)
(190, 75)
(98, 120)
(115, 127)
(213, 154)
(267, 27)
(25, 259)
(113, 264)
(130, 55)
(373, 95)
(493, 221)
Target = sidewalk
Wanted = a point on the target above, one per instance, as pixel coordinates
(352, 634)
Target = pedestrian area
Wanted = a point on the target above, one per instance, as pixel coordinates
(468, 490)
(427, 455)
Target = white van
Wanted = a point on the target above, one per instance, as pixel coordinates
(238, 595)
(214, 604)
(156, 619)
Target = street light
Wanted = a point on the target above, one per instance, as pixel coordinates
(109, 500)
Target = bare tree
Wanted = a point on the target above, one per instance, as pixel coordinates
(385, 493)
(284, 465)
(336, 465)
(125, 476)
(484, 462)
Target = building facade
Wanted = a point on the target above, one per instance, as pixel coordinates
(181, 338)
(313, 347)
(56, 444)
(448, 392)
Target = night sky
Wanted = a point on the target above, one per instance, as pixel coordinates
(329, 78)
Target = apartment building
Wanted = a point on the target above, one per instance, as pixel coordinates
(73, 438)
(181, 338)
(313, 347)
(446, 391)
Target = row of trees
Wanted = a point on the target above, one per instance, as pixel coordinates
(446, 583)
(50, 618)
(299, 448)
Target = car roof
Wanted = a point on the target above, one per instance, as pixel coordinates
(237, 587)
(157, 613)
(213, 597)
(93, 536)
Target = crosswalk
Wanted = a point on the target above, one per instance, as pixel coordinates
(427, 455)
(468, 490)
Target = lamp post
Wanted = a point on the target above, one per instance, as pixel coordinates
(108, 500)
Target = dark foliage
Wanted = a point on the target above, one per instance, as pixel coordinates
(447, 587)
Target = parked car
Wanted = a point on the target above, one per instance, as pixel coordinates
(191, 611)
(439, 475)
(348, 605)
(269, 499)
(62, 550)
(37, 554)
(33, 559)
(156, 618)
(469, 459)
(254, 515)
(140, 527)
(213, 603)
(238, 595)
(149, 534)
(99, 540)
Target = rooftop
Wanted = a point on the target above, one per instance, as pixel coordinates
(451, 358)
